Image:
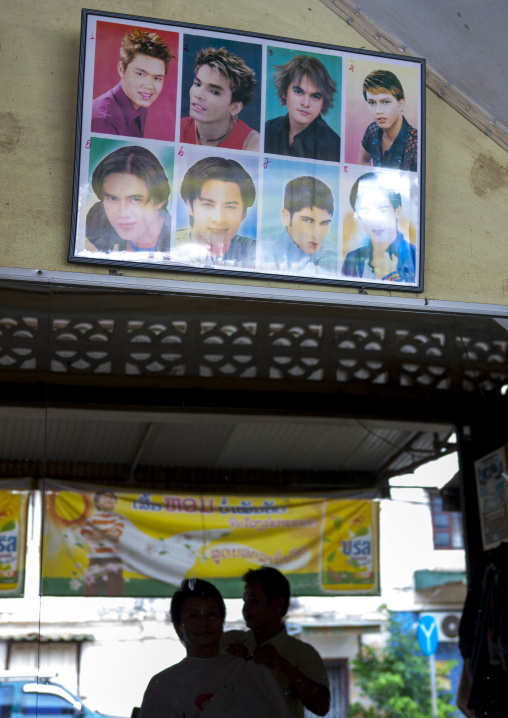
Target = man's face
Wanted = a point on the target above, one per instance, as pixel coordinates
(376, 213)
(201, 624)
(257, 612)
(218, 213)
(304, 102)
(385, 109)
(106, 502)
(126, 202)
(142, 79)
(308, 227)
(210, 96)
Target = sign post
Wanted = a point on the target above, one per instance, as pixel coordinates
(428, 640)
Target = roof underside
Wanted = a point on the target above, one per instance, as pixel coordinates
(161, 388)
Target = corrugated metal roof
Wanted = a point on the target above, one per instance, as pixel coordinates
(216, 441)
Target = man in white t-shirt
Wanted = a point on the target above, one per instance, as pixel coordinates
(296, 666)
(209, 683)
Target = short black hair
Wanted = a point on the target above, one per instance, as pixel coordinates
(309, 192)
(273, 582)
(217, 168)
(100, 493)
(194, 588)
(374, 180)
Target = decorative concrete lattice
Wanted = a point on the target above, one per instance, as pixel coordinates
(397, 350)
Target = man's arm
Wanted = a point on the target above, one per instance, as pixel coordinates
(314, 696)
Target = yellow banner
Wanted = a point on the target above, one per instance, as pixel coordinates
(101, 541)
(14, 496)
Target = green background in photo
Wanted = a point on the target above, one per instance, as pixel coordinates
(280, 55)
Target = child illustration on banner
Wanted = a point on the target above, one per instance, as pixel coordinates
(102, 532)
(114, 545)
(218, 86)
(141, 65)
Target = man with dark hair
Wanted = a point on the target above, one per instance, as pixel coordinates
(218, 192)
(389, 141)
(307, 215)
(386, 255)
(131, 215)
(296, 665)
(304, 85)
(143, 64)
(209, 682)
(102, 532)
(223, 85)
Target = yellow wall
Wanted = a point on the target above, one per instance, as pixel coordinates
(467, 174)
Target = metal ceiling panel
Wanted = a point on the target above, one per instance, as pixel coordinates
(93, 441)
(21, 438)
(187, 444)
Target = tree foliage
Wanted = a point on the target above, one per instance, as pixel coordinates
(396, 681)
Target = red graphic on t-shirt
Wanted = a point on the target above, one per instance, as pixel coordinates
(202, 701)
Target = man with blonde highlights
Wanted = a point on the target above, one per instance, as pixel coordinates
(389, 141)
(305, 86)
(143, 64)
(223, 85)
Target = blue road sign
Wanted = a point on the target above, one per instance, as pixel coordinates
(427, 635)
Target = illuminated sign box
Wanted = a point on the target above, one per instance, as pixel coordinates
(222, 152)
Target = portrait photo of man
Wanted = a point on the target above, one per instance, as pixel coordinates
(383, 253)
(381, 117)
(217, 193)
(223, 85)
(300, 247)
(137, 65)
(131, 215)
(304, 86)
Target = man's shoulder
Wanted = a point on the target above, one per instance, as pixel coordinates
(240, 240)
(168, 674)
(104, 105)
(275, 123)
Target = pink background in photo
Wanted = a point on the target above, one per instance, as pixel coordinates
(160, 123)
(358, 117)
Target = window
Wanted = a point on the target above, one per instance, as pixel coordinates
(45, 704)
(446, 525)
(6, 693)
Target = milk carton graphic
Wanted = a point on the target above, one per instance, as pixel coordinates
(357, 551)
(9, 555)
(348, 550)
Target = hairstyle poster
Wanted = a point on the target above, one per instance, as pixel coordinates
(250, 156)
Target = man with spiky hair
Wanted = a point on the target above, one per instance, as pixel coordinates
(143, 64)
(305, 87)
(223, 85)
